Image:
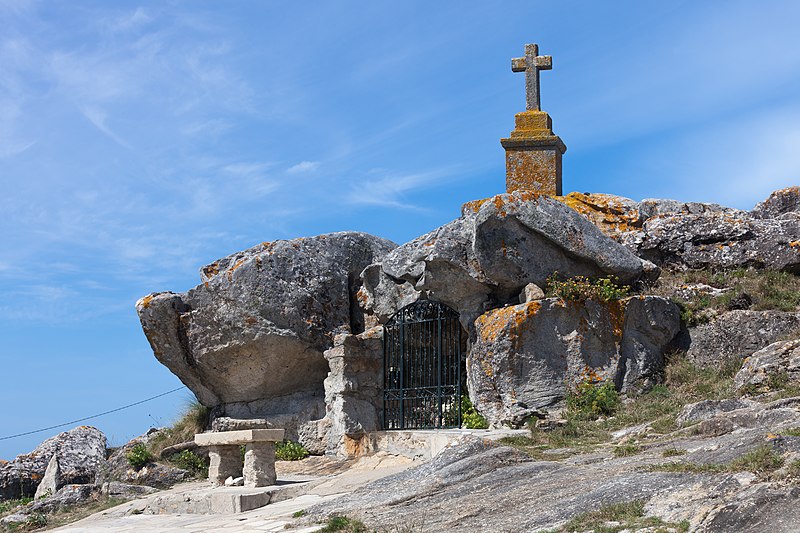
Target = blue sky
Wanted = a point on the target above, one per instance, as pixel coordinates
(140, 141)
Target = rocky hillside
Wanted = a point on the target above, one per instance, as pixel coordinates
(663, 461)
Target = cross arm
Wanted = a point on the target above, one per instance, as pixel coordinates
(544, 62)
(518, 64)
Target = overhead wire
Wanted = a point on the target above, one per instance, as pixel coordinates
(93, 416)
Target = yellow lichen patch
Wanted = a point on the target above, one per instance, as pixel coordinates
(230, 271)
(509, 321)
(211, 270)
(474, 205)
(794, 244)
(606, 212)
(145, 302)
(616, 312)
(486, 365)
(590, 375)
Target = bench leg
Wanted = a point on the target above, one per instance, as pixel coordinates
(225, 461)
(259, 464)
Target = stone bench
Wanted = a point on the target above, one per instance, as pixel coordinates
(226, 456)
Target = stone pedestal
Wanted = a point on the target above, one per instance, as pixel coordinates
(224, 461)
(533, 155)
(259, 464)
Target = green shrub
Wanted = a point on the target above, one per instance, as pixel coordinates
(591, 401)
(290, 451)
(188, 460)
(582, 288)
(8, 505)
(626, 450)
(139, 455)
(470, 417)
(344, 524)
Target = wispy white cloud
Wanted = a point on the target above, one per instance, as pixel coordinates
(388, 189)
(303, 167)
(98, 119)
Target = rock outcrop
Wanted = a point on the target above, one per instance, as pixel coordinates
(700, 485)
(485, 258)
(153, 474)
(526, 356)
(81, 456)
(778, 203)
(697, 235)
(738, 334)
(770, 368)
(250, 339)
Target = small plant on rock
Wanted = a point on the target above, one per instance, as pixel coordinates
(188, 460)
(470, 417)
(582, 288)
(590, 401)
(290, 451)
(139, 455)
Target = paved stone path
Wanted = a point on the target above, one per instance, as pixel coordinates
(338, 477)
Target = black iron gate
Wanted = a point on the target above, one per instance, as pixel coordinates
(422, 367)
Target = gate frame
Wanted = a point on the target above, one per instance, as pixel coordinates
(418, 313)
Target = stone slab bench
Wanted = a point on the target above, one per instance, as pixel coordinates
(226, 457)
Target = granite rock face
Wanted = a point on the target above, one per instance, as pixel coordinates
(738, 334)
(505, 490)
(250, 339)
(719, 240)
(699, 235)
(526, 356)
(486, 257)
(778, 203)
(768, 367)
(81, 456)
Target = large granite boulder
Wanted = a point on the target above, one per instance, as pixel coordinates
(486, 257)
(778, 203)
(700, 235)
(526, 356)
(720, 240)
(81, 456)
(738, 334)
(250, 338)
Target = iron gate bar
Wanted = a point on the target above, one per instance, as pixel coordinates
(422, 367)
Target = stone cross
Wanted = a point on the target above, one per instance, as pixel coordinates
(531, 64)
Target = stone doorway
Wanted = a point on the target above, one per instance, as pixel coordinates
(422, 367)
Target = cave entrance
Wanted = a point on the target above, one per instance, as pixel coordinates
(422, 367)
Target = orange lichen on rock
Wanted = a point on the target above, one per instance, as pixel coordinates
(502, 201)
(236, 265)
(211, 270)
(606, 212)
(145, 302)
(590, 375)
(506, 321)
(616, 313)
